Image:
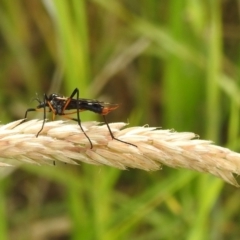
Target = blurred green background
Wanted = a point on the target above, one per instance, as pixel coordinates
(173, 64)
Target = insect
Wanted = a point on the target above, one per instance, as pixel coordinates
(59, 104)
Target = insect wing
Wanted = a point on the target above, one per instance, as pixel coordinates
(91, 105)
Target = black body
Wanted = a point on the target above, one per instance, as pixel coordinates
(59, 104)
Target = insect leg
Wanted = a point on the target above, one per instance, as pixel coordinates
(44, 112)
(78, 117)
(70, 98)
(76, 92)
(109, 129)
(29, 110)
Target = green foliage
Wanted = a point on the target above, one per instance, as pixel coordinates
(169, 63)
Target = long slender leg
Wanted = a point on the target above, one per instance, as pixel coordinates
(76, 92)
(44, 105)
(29, 110)
(79, 120)
(44, 113)
(34, 110)
(109, 129)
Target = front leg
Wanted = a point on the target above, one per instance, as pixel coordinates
(44, 112)
(29, 110)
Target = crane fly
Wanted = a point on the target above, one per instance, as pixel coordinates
(59, 104)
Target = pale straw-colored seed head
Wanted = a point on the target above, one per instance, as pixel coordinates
(64, 141)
